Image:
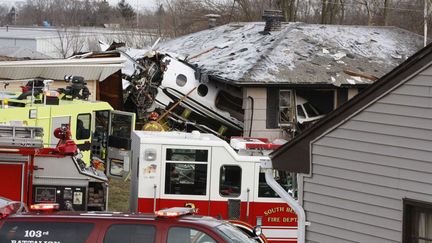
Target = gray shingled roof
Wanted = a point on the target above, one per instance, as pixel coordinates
(297, 54)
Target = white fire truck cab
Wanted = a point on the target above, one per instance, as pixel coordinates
(202, 171)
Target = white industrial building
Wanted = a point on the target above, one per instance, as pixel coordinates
(62, 42)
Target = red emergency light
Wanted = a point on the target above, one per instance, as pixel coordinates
(174, 212)
(264, 146)
(44, 207)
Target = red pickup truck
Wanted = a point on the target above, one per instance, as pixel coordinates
(175, 225)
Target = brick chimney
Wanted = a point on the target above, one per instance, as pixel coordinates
(273, 19)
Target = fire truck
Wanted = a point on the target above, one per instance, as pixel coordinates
(33, 174)
(202, 171)
(99, 131)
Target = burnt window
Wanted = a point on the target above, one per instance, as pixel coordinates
(231, 102)
(417, 222)
(130, 233)
(285, 107)
(188, 235)
(202, 90)
(83, 126)
(230, 181)
(279, 108)
(65, 232)
(186, 171)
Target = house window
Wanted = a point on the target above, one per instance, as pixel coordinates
(417, 222)
(285, 107)
(280, 110)
(186, 171)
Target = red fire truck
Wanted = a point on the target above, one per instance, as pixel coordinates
(32, 174)
(202, 171)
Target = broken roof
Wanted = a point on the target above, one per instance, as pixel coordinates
(299, 53)
(295, 155)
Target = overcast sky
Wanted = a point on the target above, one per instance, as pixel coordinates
(149, 4)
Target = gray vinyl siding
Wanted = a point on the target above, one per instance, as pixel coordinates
(362, 169)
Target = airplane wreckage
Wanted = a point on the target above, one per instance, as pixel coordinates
(179, 93)
(182, 96)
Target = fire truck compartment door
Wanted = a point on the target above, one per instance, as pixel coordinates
(119, 154)
(12, 180)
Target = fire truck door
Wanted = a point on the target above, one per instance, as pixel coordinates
(185, 177)
(231, 188)
(119, 151)
(12, 180)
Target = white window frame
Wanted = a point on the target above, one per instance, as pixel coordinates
(163, 173)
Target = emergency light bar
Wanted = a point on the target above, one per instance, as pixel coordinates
(248, 143)
(44, 207)
(175, 212)
(266, 146)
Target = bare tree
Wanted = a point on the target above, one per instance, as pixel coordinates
(386, 9)
(68, 42)
(289, 8)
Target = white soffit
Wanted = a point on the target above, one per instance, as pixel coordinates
(90, 68)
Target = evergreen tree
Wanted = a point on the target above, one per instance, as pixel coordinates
(11, 16)
(126, 10)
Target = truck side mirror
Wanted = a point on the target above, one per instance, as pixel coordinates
(257, 231)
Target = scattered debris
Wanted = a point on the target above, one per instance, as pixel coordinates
(360, 74)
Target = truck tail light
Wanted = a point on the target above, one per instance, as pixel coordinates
(175, 212)
(44, 207)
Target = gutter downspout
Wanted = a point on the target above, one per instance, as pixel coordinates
(267, 165)
(252, 114)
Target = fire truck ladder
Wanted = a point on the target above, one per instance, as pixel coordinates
(21, 136)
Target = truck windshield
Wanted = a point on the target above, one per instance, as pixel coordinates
(310, 110)
(233, 234)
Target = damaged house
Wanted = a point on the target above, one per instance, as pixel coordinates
(367, 165)
(273, 79)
